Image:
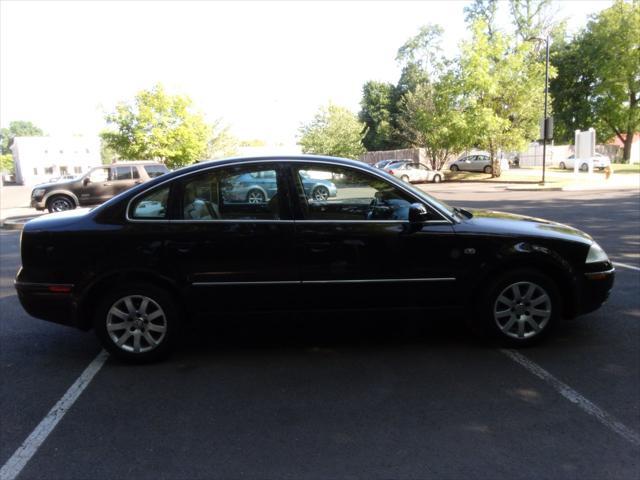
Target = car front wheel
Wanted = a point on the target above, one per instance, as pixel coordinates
(404, 178)
(454, 168)
(584, 167)
(320, 193)
(488, 169)
(60, 203)
(437, 179)
(521, 307)
(562, 166)
(137, 323)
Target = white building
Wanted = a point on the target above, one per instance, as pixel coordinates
(39, 159)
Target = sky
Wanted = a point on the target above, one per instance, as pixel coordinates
(263, 67)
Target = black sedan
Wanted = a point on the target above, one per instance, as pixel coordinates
(156, 257)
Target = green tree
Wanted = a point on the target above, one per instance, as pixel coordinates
(333, 131)
(378, 109)
(484, 10)
(19, 128)
(429, 118)
(6, 163)
(158, 126)
(221, 143)
(502, 92)
(531, 18)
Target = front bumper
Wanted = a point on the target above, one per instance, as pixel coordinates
(38, 204)
(595, 288)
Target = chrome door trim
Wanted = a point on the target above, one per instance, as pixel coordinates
(312, 282)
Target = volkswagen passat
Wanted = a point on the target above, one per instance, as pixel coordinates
(151, 259)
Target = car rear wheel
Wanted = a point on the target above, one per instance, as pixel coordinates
(320, 193)
(137, 323)
(584, 167)
(256, 196)
(488, 169)
(437, 179)
(454, 168)
(404, 178)
(562, 166)
(521, 307)
(60, 203)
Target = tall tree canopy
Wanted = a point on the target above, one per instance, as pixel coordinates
(598, 82)
(158, 126)
(502, 92)
(333, 131)
(19, 128)
(377, 112)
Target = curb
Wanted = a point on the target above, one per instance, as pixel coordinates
(534, 189)
(16, 223)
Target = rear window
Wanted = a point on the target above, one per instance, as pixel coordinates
(155, 170)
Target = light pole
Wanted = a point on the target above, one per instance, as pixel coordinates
(545, 121)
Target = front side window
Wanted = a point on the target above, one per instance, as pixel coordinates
(234, 193)
(337, 193)
(153, 205)
(100, 175)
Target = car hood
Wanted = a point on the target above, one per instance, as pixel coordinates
(52, 221)
(501, 223)
(61, 183)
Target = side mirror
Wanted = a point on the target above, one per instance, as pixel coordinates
(417, 213)
(86, 181)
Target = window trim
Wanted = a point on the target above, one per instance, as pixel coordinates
(283, 163)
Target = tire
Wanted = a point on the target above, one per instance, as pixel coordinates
(60, 203)
(404, 178)
(454, 168)
(437, 179)
(562, 166)
(488, 169)
(122, 316)
(256, 196)
(584, 167)
(320, 193)
(508, 305)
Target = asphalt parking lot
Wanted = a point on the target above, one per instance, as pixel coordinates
(349, 396)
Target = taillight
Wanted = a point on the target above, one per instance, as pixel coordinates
(390, 172)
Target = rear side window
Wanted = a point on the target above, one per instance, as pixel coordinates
(153, 205)
(122, 173)
(155, 170)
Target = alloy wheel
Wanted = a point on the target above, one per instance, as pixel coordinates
(136, 324)
(522, 310)
(255, 196)
(320, 193)
(61, 204)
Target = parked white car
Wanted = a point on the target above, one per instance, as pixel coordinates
(599, 161)
(412, 172)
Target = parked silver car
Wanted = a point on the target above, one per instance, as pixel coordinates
(412, 172)
(472, 163)
(383, 163)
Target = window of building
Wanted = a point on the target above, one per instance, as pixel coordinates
(35, 171)
(48, 171)
(77, 169)
(64, 171)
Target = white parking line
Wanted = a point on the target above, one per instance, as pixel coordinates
(23, 454)
(624, 265)
(574, 397)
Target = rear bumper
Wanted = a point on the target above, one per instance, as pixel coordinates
(52, 302)
(594, 290)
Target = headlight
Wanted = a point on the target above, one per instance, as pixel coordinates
(596, 254)
(38, 192)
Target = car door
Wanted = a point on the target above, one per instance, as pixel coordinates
(358, 249)
(97, 186)
(123, 178)
(232, 251)
(467, 163)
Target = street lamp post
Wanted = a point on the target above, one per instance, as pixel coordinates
(545, 121)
